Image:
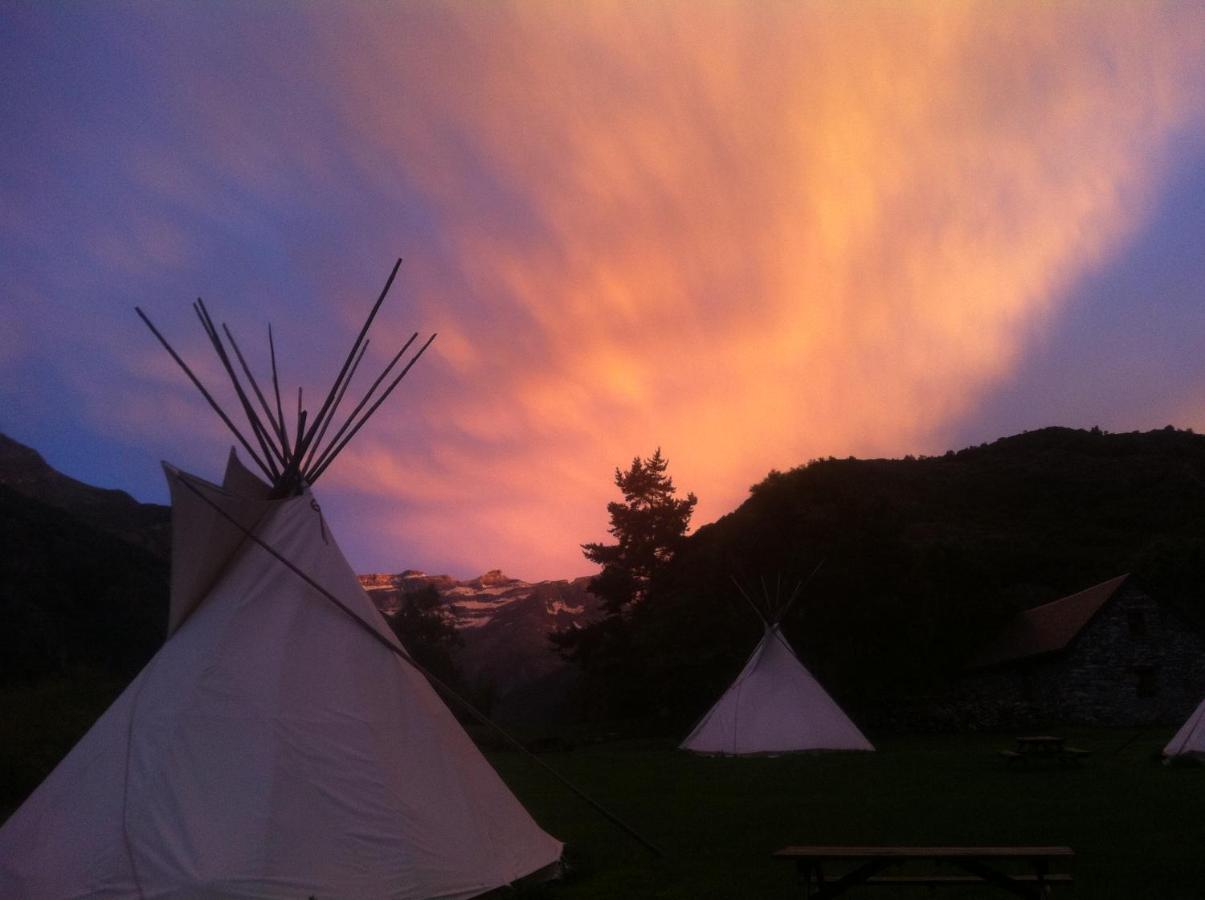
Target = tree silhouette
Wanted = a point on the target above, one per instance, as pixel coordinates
(426, 626)
(648, 527)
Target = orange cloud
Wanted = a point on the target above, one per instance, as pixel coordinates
(749, 234)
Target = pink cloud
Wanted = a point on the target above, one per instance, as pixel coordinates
(782, 234)
(747, 233)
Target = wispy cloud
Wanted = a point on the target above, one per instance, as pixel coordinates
(747, 233)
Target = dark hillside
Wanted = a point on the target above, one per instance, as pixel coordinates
(83, 573)
(923, 558)
(147, 525)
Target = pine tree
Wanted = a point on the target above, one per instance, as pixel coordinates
(648, 526)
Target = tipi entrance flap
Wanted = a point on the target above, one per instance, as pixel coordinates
(204, 540)
(242, 482)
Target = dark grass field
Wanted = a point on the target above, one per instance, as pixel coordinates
(40, 723)
(1138, 827)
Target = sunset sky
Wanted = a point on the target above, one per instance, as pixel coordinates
(748, 233)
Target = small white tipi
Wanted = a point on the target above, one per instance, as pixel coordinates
(1190, 739)
(279, 744)
(774, 706)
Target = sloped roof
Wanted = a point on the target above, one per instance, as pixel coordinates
(1047, 628)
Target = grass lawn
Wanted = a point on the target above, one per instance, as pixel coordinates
(40, 723)
(1138, 827)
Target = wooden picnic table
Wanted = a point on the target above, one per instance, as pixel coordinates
(1040, 743)
(973, 865)
(1044, 747)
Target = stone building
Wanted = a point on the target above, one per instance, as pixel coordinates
(1108, 655)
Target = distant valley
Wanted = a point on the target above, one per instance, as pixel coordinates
(504, 623)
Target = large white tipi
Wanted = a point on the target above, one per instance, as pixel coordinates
(280, 744)
(1189, 741)
(774, 706)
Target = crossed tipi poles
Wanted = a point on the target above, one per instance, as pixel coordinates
(292, 457)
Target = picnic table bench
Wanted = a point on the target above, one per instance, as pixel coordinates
(871, 866)
(1044, 748)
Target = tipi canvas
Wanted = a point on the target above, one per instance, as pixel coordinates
(281, 743)
(1190, 739)
(274, 747)
(774, 706)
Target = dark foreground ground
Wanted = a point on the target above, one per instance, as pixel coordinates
(1138, 827)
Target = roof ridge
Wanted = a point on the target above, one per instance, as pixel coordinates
(1050, 627)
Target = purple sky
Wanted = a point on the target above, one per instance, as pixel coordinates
(749, 234)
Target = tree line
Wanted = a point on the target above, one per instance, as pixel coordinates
(924, 559)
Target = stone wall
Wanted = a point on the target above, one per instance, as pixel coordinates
(1138, 662)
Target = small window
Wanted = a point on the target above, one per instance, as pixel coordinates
(1137, 621)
